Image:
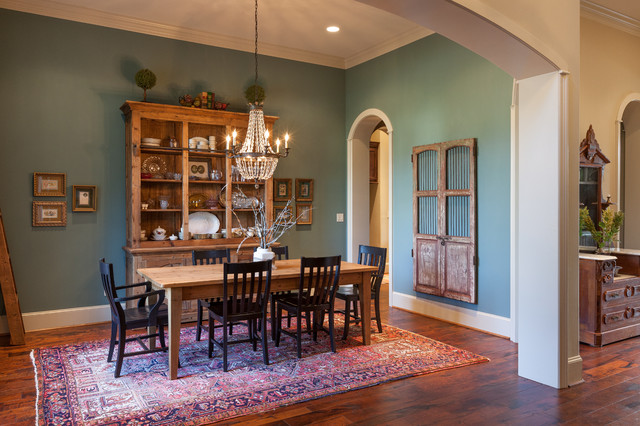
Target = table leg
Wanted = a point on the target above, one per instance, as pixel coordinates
(174, 296)
(365, 307)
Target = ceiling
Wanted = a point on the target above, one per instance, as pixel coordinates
(291, 29)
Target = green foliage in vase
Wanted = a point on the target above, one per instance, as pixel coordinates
(609, 226)
(145, 79)
(254, 94)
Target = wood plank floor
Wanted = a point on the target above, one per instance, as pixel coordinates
(489, 393)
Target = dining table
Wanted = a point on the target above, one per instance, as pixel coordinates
(206, 281)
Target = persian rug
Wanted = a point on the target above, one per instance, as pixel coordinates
(75, 383)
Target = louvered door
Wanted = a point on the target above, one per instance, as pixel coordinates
(444, 219)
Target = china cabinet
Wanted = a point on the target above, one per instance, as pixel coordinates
(178, 181)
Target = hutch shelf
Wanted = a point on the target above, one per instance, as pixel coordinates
(166, 184)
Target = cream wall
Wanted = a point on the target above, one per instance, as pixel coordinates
(379, 195)
(610, 71)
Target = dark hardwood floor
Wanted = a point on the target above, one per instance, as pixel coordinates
(489, 393)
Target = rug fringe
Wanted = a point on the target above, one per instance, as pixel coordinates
(35, 373)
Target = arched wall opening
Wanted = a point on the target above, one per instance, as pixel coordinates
(628, 142)
(544, 121)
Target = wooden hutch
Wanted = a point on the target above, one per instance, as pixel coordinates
(155, 173)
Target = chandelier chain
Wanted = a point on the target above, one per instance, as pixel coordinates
(255, 54)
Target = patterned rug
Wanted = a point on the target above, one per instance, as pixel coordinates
(75, 384)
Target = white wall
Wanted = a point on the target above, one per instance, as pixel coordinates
(537, 228)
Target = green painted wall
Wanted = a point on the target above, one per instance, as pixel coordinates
(62, 85)
(434, 90)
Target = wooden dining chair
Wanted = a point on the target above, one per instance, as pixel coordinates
(245, 297)
(316, 294)
(123, 320)
(208, 257)
(371, 256)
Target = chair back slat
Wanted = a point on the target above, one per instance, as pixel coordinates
(211, 257)
(282, 252)
(318, 280)
(373, 256)
(246, 287)
(109, 287)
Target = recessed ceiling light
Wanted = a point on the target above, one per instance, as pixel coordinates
(333, 29)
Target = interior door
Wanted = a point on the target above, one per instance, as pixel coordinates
(444, 225)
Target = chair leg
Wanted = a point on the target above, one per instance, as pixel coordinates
(299, 333)
(211, 336)
(272, 307)
(278, 325)
(224, 346)
(265, 349)
(199, 320)
(112, 343)
(121, 345)
(331, 337)
(253, 333)
(356, 315)
(376, 303)
(160, 327)
(347, 318)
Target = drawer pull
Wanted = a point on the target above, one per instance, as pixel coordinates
(612, 295)
(614, 317)
(629, 291)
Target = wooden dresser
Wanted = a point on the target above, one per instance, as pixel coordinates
(609, 305)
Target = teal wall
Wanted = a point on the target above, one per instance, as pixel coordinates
(62, 85)
(433, 91)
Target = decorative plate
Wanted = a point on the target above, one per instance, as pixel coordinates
(203, 223)
(154, 165)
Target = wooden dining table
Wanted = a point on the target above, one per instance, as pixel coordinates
(205, 281)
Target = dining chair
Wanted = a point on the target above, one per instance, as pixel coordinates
(316, 294)
(125, 319)
(371, 256)
(245, 297)
(208, 257)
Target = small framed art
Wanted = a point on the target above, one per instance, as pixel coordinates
(84, 198)
(303, 213)
(278, 210)
(49, 213)
(199, 169)
(281, 189)
(304, 189)
(49, 184)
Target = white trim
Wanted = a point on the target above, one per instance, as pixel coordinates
(609, 17)
(513, 252)
(632, 97)
(388, 46)
(60, 318)
(482, 321)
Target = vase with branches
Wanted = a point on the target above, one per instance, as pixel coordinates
(607, 230)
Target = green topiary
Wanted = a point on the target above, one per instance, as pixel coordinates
(254, 94)
(145, 79)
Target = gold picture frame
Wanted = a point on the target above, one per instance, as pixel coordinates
(84, 198)
(304, 190)
(281, 189)
(304, 213)
(49, 184)
(200, 169)
(49, 213)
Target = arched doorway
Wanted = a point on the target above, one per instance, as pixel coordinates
(545, 122)
(358, 184)
(628, 133)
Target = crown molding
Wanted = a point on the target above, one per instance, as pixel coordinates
(609, 17)
(388, 46)
(89, 16)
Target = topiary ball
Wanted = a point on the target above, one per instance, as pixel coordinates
(145, 79)
(254, 94)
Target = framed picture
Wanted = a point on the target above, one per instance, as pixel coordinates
(84, 198)
(200, 168)
(49, 213)
(279, 209)
(303, 213)
(281, 189)
(304, 189)
(49, 184)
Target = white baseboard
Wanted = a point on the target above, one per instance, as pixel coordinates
(60, 318)
(482, 321)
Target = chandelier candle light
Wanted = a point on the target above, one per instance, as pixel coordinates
(256, 159)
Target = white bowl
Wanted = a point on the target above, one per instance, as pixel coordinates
(151, 141)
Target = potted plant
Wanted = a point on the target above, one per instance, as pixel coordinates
(145, 79)
(609, 227)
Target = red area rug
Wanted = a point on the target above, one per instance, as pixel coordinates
(76, 386)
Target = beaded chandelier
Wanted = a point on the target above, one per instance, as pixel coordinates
(256, 160)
